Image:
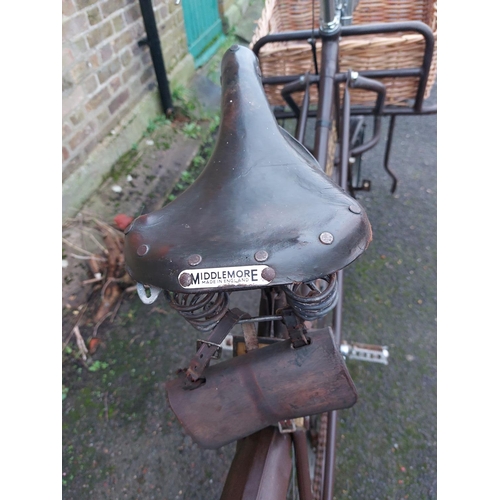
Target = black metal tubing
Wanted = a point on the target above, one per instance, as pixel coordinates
(327, 93)
(386, 73)
(379, 88)
(302, 83)
(300, 130)
(390, 133)
(286, 36)
(356, 111)
(356, 30)
(153, 41)
(358, 83)
(368, 29)
(345, 139)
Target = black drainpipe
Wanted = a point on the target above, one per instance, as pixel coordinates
(153, 41)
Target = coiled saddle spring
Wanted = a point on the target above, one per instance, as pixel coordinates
(313, 299)
(202, 310)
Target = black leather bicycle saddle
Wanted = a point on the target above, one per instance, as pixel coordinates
(261, 212)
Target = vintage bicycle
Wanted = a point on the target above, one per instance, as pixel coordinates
(268, 214)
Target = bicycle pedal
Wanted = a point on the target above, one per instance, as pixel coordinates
(365, 352)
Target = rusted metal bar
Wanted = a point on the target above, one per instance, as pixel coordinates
(261, 466)
(302, 464)
(329, 478)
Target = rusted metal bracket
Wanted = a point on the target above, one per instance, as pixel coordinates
(207, 349)
(296, 329)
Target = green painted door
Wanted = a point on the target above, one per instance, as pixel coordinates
(203, 28)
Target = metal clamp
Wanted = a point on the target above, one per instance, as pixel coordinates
(142, 291)
(218, 351)
(290, 425)
(296, 329)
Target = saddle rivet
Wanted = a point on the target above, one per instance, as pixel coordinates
(261, 256)
(185, 279)
(326, 238)
(268, 274)
(354, 209)
(142, 250)
(194, 260)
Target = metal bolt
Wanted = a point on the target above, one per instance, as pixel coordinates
(194, 260)
(185, 279)
(326, 238)
(268, 274)
(142, 250)
(355, 209)
(261, 256)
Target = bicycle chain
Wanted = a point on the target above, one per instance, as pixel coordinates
(320, 456)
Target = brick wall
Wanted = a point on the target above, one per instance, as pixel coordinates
(105, 73)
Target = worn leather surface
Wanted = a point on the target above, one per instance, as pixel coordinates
(260, 190)
(247, 393)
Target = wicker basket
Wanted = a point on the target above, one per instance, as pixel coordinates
(373, 52)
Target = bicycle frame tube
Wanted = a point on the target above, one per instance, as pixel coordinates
(326, 111)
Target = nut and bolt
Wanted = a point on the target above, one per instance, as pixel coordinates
(355, 209)
(261, 256)
(185, 279)
(142, 250)
(268, 274)
(326, 238)
(194, 260)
